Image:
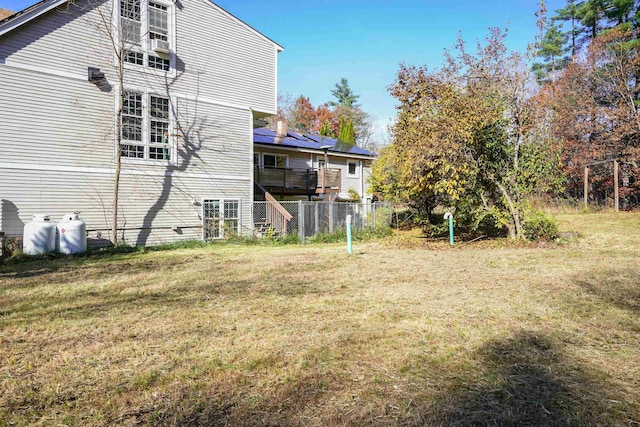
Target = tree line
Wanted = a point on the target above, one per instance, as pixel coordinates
(342, 118)
(589, 70)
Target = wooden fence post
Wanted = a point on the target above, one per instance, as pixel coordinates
(616, 190)
(586, 186)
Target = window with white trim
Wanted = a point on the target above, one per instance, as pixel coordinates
(220, 218)
(352, 169)
(146, 27)
(275, 160)
(132, 144)
(146, 127)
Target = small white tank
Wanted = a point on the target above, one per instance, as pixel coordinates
(72, 235)
(39, 236)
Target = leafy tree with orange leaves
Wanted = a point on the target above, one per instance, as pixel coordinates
(596, 105)
(469, 137)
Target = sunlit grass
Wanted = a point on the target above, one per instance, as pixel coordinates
(404, 332)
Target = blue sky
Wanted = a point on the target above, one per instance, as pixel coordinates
(365, 41)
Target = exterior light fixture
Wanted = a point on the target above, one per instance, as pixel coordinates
(94, 75)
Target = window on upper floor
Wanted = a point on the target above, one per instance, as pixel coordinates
(146, 127)
(352, 169)
(146, 31)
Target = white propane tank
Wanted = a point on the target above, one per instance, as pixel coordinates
(72, 235)
(39, 236)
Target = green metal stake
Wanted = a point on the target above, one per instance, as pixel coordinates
(449, 216)
(349, 242)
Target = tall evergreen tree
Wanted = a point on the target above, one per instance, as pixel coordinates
(325, 129)
(347, 133)
(350, 134)
(591, 14)
(619, 11)
(553, 50)
(569, 14)
(344, 95)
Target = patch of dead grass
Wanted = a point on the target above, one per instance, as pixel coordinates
(399, 334)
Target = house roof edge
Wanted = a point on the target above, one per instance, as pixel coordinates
(27, 14)
(31, 12)
(232, 16)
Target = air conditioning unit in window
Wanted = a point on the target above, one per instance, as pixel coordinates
(160, 46)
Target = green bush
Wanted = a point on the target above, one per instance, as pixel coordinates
(539, 226)
(289, 239)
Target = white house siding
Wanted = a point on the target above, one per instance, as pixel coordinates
(218, 57)
(54, 120)
(65, 39)
(348, 182)
(57, 146)
(224, 58)
(146, 201)
(65, 162)
(299, 161)
(357, 183)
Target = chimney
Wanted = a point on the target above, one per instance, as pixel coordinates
(281, 132)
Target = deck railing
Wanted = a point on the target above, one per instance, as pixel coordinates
(284, 178)
(277, 217)
(329, 179)
(306, 180)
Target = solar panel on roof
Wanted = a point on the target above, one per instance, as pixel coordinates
(315, 142)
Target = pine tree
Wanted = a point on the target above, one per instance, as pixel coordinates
(325, 129)
(553, 50)
(341, 129)
(344, 95)
(569, 13)
(347, 133)
(619, 11)
(591, 14)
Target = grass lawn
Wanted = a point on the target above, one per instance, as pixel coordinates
(404, 332)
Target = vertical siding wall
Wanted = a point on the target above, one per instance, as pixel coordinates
(57, 148)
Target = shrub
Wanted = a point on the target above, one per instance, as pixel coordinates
(539, 226)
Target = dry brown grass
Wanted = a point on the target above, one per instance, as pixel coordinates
(405, 332)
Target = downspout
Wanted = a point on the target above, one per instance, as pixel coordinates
(251, 170)
(362, 198)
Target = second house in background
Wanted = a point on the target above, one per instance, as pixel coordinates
(293, 166)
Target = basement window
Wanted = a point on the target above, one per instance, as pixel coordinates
(220, 217)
